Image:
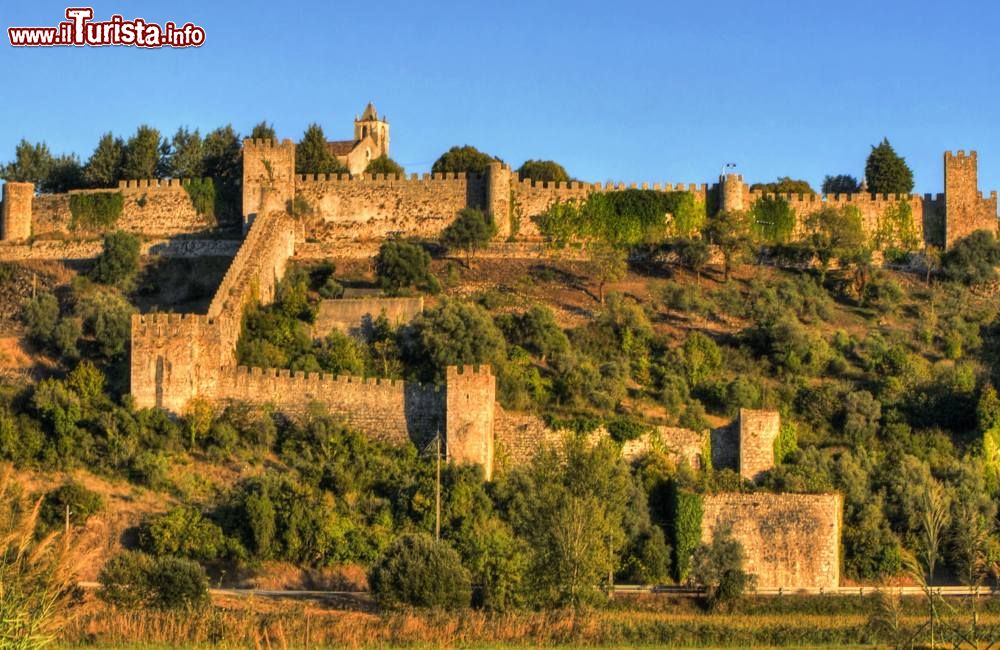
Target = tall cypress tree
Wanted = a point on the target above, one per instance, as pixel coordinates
(887, 171)
(312, 156)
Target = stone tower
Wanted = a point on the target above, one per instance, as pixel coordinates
(470, 394)
(498, 198)
(15, 218)
(268, 177)
(758, 431)
(731, 192)
(966, 211)
(369, 124)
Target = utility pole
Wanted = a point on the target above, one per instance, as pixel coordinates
(437, 488)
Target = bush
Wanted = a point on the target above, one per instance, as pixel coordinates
(183, 532)
(119, 260)
(385, 165)
(40, 315)
(684, 514)
(418, 571)
(972, 260)
(81, 503)
(719, 568)
(401, 265)
(134, 580)
(96, 211)
(202, 194)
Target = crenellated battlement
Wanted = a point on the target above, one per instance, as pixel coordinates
(610, 186)
(961, 157)
(156, 183)
(263, 144)
(299, 379)
(449, 177)
(169, 325)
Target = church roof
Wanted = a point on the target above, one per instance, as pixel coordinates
(370, 113)
(340, 147)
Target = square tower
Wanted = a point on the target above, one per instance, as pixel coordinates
(268, 177)
(966, 211)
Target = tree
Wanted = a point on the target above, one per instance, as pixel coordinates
(385, 165)
(841, 184)
(729, 231)
(119, 260)
(31, 164)
(187, 155)
(313, 155)
(41, 314)
(465, 159)
(543, 170)
(887, 172)
(263, 131)
(183, 532)
(470, 231)
(610, 265)
(453, 334)
(772, 219)
(104, 168)
(693, 254)
(718, 567)
(401, 265)
(65, 174)
(932, 261)
(784, 185)
(144, 154)
(835, 233)
(972, 260)
(418, 571)
(934, 518)
(223, 162)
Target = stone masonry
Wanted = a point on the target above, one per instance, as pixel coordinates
(790, 541)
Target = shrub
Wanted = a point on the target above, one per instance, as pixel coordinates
(418, 571)
(40, 315)
(719, 568)
(96, 211)
(973, 259)
(622, 429)
(202, 194)
(183, 532)
(119, 260)
(133, 580)
(78, 500)
(469, 232)
(401, 265)
(385, 165)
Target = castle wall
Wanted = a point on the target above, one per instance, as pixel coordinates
(533, 198)
(268, 177)
(372, 208)
(150, 207)
(389, 410)
(352, 315)
(59, 249)
(791, 541)
(965, 208)
(15, 213)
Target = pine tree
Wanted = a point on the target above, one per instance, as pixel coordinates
(144, 153)
(187, 156)
(887, 172)
(313, 156)
(104, 168)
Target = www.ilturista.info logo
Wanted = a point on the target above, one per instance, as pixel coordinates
(80, 30)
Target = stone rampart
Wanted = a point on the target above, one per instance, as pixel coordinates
(354, 315)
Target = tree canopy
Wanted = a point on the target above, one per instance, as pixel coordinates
(543, 170)
(841, 184)
(465, 159)
(887, 172)
(313, 156)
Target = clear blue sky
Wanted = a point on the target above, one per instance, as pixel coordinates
(633, 91)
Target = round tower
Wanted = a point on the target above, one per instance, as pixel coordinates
(732, 192)
(15, 218)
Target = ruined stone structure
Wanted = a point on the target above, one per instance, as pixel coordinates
(758, 431)
(790, 541)
(354, 315)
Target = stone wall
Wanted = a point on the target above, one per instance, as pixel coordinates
(268, 177)
(374, 207)
(389, 410)
(791, 541)
(966, 211)
(153, 208)
(74, 249)
(354, 315)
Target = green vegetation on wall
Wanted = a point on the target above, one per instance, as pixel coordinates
(684, 515)
(772, 219)
(96, 211)
(202, 193)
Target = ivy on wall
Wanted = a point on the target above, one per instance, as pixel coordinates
(202, 194)
(684, 514)
(772, 219)
(95, 211)
(896, 230)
